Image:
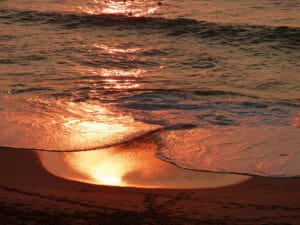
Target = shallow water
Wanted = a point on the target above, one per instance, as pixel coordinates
(133, 164)
(216, 81)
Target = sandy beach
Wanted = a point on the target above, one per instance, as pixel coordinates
(30, 195)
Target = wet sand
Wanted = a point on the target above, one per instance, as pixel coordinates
(30, 195)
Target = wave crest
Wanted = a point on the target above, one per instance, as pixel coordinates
(229, 33)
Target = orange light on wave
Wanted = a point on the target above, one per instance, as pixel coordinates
(114, 50)
(136, 8)
(114, 78)
(54, 124)
(88, 125)
(115, 84)
(113, 72)
(122, 72)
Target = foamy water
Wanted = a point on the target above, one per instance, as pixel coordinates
(214, 84)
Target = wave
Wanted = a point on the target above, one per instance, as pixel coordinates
(44, 124)
(95, 148)
(230, 33)
(142, 94)
(229, 137)
(261, 151)
(161, 99)
(235, 150)
(64, 124)
(148, 93)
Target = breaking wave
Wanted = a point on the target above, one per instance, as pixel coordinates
(286, 37)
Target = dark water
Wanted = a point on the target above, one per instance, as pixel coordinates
(217, 80)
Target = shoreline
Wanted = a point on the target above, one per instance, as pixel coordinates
(31, 195)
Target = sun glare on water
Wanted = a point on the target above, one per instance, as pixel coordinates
(130, 164)
(134, 8)
(99, 167)
(110, 180)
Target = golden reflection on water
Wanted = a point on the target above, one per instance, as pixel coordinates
(134, 73)
(132, 164)
(115, 50)
(61, 125)
(113, 78)
(99, 125)
(134, 8)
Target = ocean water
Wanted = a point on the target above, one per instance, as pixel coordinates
(215, 83)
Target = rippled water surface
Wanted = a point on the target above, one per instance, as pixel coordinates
(214, 83)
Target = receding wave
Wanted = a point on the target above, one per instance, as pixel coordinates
(261, 151)
(244, 138)
(59, 125)
(229, 33)
(238, 150)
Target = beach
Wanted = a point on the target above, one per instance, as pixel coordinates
(30, 195)
(148, 112)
